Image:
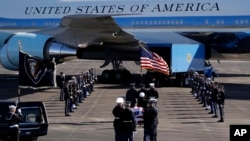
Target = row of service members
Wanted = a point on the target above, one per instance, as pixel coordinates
(125, 121)
(211, 94)
(75, 90)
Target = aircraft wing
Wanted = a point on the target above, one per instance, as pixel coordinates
(155, 37)
(95, 37)
(84, 30)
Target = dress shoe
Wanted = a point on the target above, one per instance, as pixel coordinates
(214, 116)
(220, 120)
(210, 112)
(67, 115)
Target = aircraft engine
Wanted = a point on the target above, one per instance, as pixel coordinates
(42, 46)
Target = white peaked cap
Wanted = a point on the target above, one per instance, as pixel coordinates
(141, 94)
(152, 100)
(151, 84)
(119, 100)
(12, 107)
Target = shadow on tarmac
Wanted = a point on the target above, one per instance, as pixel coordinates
(233, 75)
(85, 123)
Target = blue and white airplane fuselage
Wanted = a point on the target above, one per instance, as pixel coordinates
(98, 26)
(162, 14)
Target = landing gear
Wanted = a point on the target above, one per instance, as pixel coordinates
(118, 74)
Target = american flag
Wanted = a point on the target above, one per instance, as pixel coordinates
(152, 61)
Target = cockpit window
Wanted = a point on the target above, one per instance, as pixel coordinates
(32, 115)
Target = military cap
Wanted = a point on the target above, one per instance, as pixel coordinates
(152, 100)
(151, 84)
(12, 107)
(119, 100)
(141, 94)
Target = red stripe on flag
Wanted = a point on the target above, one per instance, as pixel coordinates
(152, 61)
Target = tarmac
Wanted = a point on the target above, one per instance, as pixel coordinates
(181, 118)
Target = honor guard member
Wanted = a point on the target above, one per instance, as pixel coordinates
(60, 81)
(117, 121)
(150, 117)
(214, 98)
(131, 95)
(221, 102)
(142, 89)
(128, 123)
(13, 119)
(66, 99)
(152, 92)
(142, 102)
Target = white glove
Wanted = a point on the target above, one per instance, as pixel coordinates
(19, 111)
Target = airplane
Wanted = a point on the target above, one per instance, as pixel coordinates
(114, 30)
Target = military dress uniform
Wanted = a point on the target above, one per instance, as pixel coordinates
(128, 124)
(142, 102)
(221, 102)
(214, 101)
(60, 83)
(150, 117)
(13, 120)
(131, 95)
(152, 92)
(67, 101)
(117, 121)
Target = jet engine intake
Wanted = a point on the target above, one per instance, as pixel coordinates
(37, 45)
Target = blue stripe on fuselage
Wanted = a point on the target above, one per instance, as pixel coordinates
(183, 21)
(142, 22)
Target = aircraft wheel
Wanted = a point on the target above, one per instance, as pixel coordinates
(106, 75)
(118, 76)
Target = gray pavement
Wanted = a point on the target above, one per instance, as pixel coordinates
(181, 118)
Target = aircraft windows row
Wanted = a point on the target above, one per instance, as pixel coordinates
(51, 23)
(12, 24)
(242, 21)
(180, 22)
(237, 22)
(220, 22)
(140, 22)
(170, 22)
